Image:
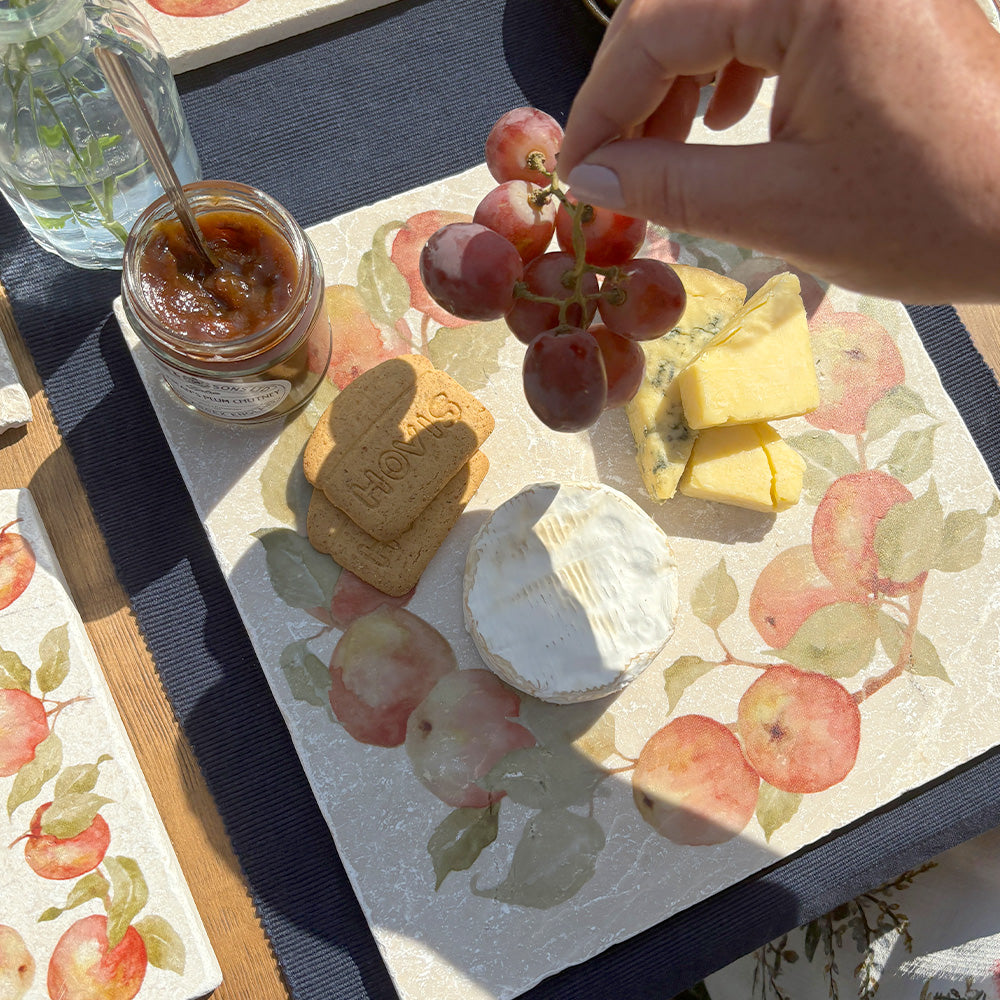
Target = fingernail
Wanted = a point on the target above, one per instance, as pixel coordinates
(591, 182)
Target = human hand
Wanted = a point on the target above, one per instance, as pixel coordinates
(882, 172)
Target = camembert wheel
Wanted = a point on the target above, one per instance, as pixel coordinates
(570, 591)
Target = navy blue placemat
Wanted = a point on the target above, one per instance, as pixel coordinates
(327, 122)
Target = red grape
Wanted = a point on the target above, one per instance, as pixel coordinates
(610, 238)
(564, 379)
(644, 301)
(517, 213)
(470, 270)
(516, 134)
(544, 276)
(624, 364)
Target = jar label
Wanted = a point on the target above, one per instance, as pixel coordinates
(228, 400)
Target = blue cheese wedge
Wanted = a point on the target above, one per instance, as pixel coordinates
(570, 591)
(656, 418)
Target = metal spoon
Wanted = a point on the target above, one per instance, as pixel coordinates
(126, 91)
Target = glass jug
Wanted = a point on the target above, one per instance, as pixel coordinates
(70, 164)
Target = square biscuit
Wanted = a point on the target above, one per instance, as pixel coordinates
(394, 567)
(405, 455)
(350, 413)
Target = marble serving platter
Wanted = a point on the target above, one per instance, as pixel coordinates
(93, 900)
(193, 35)
(478, 901)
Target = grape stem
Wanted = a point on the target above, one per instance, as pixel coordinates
(581, 213)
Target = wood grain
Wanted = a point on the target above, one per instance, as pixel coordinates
(36, 457)
(983, 323)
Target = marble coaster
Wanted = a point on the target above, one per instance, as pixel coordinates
(93, 898)
(190, 40)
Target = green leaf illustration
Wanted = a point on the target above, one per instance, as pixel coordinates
(129, 894)
(541, 777)
(888, 412)
(92, 886)
(79, 778)
(827, 459)
(775, 808)
(683, 672)
(307, 675)
(301, 576)
(837, 640)
(72, 813)
(598, 742)
(53, 651)
(912, 454)
(284, 488)
(460, 838)
(961, 541)
(715, 596)
(555, 857)
(923, 661)
(14, 675)
(470, 353)
(164, 947)
(908, 539)
(32, 776)
(383, 289)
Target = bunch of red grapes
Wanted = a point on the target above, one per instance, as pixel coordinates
(500, 265)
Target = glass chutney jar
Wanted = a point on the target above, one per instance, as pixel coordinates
(71, 166)
(251, 340)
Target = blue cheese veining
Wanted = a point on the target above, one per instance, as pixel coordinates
(662, 436)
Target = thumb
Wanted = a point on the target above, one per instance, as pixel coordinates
(746, 194)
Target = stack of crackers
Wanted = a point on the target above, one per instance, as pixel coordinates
(393, 461)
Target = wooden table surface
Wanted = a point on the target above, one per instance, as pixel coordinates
(36, 457)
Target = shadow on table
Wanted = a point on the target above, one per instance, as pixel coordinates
(297, 878)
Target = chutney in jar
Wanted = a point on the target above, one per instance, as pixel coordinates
(250, 339)
(251, 285)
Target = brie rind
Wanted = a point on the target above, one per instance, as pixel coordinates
(570, 591)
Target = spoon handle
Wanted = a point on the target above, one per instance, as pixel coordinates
(124, 87)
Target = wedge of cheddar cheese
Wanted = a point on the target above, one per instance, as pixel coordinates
(747, 465)
(662, 436)
(761, 368)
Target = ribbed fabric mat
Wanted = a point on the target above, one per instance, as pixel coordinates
(327, 122)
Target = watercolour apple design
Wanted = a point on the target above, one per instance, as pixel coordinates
(857, 363)
(84, 965)
(789, 589)
(55, 857)
(358, 344)
(843, 533)
(459, 731)
(17, 565)
(382, 667)
(17, 967)
(801, 731)
(24, 725)
(195, 8)
(692, 783)
(353, 599)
